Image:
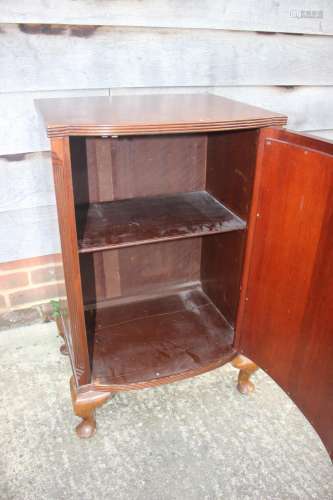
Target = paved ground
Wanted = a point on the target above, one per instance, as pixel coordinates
(197, 439)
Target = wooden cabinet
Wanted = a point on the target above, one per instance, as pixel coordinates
(193, 228)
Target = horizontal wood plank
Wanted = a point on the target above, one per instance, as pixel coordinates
(28, 233)
(307, 108)
(26, 181)
(300, 16)
(36, 58)
(25, 131)
(323, 134)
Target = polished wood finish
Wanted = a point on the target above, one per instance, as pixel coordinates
(142, 269)
(150, 114)
(117, 168)
(221, 270)
(85, 400)
(231, 160)
(76, 333)
(108, 169)
(63, 348)
(246, 369)
(143, 311)
(137, 221)
(148, 319)
(285, 315)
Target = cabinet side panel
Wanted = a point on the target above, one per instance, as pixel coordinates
(285, 321)
(66, 215)
(221, 270)
(231, 159)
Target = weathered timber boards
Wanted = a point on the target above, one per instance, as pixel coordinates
(300, 16)
(323, 134)
(28, 232)
(38, 58)
(28, 219)
(26, 181)
(25, 131)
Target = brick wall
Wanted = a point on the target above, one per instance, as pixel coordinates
(25, 284)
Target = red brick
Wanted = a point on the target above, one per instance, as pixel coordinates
(39, 294)
(33, 261)
(45, 274)
(13, 280)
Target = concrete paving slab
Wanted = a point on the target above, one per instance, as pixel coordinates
(196, 439)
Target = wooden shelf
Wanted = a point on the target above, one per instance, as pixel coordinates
(136, 221)
(157, 340)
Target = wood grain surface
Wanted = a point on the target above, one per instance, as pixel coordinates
(302, 16)
(75, 331)
(137, 57)
(138, 221)
(151, 114)
(148, 341)
(285, 316)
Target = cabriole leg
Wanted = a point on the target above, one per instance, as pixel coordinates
(246, 369)
(63, 348)
(85, 401)
(87, 427)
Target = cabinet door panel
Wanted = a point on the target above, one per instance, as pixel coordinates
(285, 320)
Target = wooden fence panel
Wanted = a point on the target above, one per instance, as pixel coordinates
(28, 233)
(44, 57)
(299, 16)
(23, 126)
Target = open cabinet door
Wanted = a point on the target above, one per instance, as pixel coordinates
(285, 318)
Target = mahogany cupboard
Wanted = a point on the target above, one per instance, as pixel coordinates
(193, 228)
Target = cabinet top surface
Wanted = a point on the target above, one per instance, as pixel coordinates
(151, 114)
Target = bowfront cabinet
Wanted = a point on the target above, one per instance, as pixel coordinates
(194, 229)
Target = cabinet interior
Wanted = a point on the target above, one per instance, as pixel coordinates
(161, 226)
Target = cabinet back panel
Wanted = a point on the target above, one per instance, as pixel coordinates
(138, 270)
(119, 168)
(126, 167)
